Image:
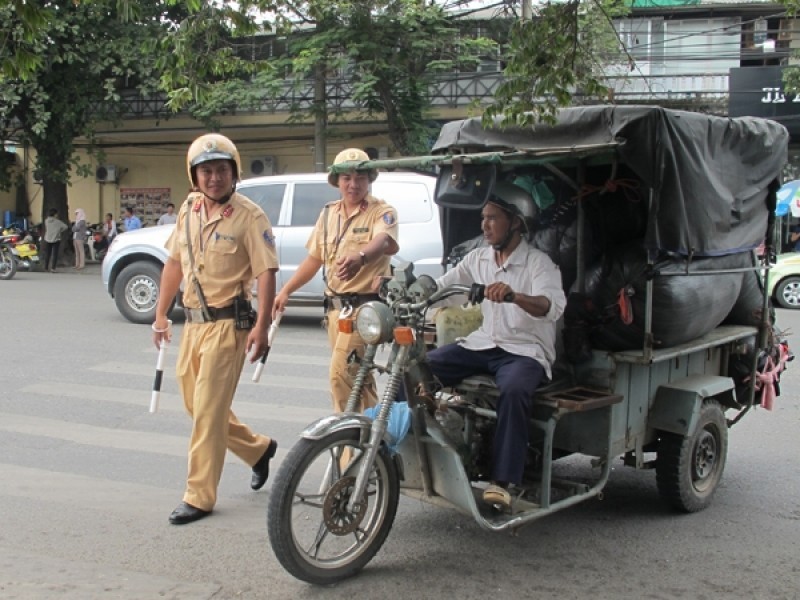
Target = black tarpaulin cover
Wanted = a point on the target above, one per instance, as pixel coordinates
(709, 175)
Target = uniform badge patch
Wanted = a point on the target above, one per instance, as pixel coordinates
(269, 238)
(227, 211)
(388, 218)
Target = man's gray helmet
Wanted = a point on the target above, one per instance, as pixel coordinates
(516, 202)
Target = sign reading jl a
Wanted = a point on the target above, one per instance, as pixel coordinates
(758, 92)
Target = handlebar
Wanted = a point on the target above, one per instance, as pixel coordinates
(476, 293)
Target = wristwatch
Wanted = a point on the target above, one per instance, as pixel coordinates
(363, 258)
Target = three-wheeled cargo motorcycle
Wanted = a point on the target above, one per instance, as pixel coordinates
(661, 224)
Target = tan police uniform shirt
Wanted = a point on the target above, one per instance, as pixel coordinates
(223, 269)
(347, 237)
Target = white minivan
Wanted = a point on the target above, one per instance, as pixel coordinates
(132, 266)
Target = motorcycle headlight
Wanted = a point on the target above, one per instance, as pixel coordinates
(375, 323)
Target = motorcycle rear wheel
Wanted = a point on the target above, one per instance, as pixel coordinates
(313, 534)
(8, 264)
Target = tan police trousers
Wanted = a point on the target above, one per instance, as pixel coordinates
(341, 374)
(210, 362)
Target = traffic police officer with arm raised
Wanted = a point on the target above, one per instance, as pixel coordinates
(221, 242)
(352, 242)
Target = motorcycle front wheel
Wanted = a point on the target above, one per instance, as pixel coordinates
(8, 264)
(312, 532)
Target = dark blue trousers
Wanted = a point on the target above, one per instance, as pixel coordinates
(517, 378)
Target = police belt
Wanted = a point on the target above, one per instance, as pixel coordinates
(341, 301)
(195, 315)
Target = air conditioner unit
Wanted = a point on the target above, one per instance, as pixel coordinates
(263, 165)
(106, 174)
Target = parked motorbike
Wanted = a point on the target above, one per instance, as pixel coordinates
(28, 254)
(23, 248)
(8, 262)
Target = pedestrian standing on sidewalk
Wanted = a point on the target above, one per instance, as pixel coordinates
(169, 217)
(109, 227)
(131, 220)
(53, 228)
(221, 242)
(79, 238)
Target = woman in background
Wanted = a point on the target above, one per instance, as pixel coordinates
(79, 237)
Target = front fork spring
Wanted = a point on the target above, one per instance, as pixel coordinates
(378, 429)
(367, 364)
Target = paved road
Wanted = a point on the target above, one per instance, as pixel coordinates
(88, 478)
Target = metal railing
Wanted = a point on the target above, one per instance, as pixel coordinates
(462, 89)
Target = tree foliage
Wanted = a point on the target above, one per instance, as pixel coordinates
(557, 58)
(85, 54)
(791, 75)
(391, 51)
(18, 57)
(387, 51)
(199, 57)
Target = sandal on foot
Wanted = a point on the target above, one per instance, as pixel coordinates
(496, 495)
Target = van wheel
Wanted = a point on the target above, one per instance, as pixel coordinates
(136, 291)
(689, 468)
(787, 294)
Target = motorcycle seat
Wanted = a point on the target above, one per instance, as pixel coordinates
(477, 383)
(486, 384)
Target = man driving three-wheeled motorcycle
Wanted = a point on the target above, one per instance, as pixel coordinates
(660, 225)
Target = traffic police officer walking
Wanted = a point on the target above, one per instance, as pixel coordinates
(221, 242)
(352, 241)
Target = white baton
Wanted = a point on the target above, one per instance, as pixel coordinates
(162, 352)
(270, 337)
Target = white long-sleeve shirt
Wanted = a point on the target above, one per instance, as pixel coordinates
(505, 325)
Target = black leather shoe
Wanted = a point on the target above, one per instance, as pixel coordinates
(261, 468)
(186, 513)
